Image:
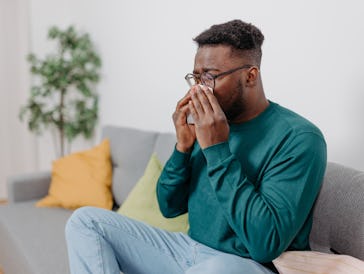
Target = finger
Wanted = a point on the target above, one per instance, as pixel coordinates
(184, 100)
(205, 102)
(213, 101)
(193, 111)
(181, 114)
(196, 102)
(192, 128)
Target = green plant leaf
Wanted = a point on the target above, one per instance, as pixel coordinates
(71, 71)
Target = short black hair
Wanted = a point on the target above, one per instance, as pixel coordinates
(243, 38)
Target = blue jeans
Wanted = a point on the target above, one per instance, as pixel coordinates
(104, 242)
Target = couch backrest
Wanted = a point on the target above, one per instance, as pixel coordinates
(338, 220)
(131, 150)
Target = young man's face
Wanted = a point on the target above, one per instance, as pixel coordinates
(229, 89)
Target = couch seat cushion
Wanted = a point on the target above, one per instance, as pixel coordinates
(36, 236)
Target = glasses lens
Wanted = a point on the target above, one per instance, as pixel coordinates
(207, 79)
(191, 79)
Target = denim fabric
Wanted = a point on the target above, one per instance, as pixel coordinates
(104, 242)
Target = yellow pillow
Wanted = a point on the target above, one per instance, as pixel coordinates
(141, 203)
(81, 179)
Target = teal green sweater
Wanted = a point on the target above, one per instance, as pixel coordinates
(253, 195)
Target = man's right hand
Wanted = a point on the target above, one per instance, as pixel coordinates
(185, 133)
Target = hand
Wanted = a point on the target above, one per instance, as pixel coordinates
(185, 133)
(211, 126)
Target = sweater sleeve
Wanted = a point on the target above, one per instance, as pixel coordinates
(266, 215)
(172, 186)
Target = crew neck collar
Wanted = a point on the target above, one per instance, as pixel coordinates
(256, 120)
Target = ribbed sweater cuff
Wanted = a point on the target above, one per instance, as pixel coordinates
(216, 154)
(180, 158)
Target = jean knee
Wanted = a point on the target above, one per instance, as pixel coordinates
(80, 219)
(228, 263)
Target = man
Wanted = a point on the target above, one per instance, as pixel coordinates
(247, 171)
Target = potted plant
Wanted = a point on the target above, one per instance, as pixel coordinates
(64, 96)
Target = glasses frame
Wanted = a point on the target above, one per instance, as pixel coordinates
(197, 77)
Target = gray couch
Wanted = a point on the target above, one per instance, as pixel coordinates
(32, 239)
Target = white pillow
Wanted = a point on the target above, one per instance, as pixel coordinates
(304, 262)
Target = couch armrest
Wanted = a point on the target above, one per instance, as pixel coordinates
(27, 187)
(338, 219)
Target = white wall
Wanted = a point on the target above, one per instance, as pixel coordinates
(17, 146)
(313, 59)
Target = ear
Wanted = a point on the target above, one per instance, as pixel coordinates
(252, 76)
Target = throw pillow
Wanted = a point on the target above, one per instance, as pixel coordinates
(81, 179)
(141, 203)
(302, 262)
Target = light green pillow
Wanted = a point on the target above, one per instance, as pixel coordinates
(141, 203)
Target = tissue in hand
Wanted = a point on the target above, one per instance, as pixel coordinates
(189, 116)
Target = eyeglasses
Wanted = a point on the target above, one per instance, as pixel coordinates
(208, 79)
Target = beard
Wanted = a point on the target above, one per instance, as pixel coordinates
(238, 106)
